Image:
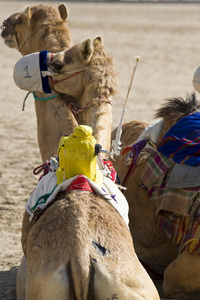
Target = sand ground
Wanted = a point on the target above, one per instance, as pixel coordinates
(165, 36)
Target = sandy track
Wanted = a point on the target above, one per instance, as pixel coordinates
(167, 39)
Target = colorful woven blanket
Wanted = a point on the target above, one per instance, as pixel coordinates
(182, 141)
(175, 208)
(155, 176)
(181, 230)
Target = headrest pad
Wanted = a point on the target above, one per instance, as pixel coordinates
(29, 72)
(83, 131)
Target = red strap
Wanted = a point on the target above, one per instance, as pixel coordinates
(128, 173)
(57, 81)
(126, 149)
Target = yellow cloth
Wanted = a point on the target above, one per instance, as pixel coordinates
(77, 156)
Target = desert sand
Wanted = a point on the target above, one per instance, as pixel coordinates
(167, 39)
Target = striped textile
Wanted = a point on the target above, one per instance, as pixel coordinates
(181, 230)
(155, 176)
(182, 141)
(175, 208)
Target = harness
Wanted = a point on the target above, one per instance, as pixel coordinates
(94, 101)
(133, 153)
(75, 110)
(53, 82)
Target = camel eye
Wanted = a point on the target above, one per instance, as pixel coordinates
(56, 67)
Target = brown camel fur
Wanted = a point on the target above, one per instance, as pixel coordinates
(103, 91)
(93, 86)
(181, 270)
(80, 248)
(40, 28)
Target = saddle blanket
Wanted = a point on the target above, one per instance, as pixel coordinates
(177, 209)
(182, 231)
(47, 189)
(182, 141)
(174, 188)
(155, 176)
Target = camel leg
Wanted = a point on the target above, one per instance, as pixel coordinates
(43, 284)
(109, 284)
(182, 277)
(21, 280)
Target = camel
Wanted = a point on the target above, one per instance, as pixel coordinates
(179, 267)
(35, 29)
(92, 86)
(81, 248)
(80, 244)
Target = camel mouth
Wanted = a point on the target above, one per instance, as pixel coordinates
(10, 43)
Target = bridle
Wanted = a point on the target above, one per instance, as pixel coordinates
(72, 74)
(75, 110)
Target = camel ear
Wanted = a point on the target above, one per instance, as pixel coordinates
(27, 13)
(87, 49)
(63, 11)
(98, 39)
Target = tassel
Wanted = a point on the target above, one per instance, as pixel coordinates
(190, 245)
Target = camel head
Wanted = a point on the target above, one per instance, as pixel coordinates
(85, 73)
(37, 28)
(85, 77)
(83, 67)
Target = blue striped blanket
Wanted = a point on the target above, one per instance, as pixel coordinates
(182, 141)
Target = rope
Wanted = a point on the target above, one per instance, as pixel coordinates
(36, 98)
(24, 102)
(44, 167)
(53, 82)
(77, 110)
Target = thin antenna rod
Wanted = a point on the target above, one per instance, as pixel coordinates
(116, 144)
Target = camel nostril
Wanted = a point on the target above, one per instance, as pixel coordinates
(3, 26)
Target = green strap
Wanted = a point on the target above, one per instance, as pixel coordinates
(36, 98)
(42, 199)
(44, 99)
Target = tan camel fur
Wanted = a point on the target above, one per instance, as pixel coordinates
(92, 83)
(40, 28)
(181, 270)
(80, 248)
(85, 248)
